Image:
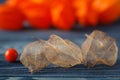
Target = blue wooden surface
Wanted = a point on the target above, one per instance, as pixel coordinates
(19, 39)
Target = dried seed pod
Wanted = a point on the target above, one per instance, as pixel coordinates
(68, 54)
(57, 51)
(33, 56)
(99, 49)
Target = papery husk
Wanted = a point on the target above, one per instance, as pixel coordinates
(99, 48)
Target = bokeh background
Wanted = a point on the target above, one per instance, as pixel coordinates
(15, 15)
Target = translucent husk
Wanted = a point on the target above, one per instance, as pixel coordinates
(57, 51)
(97, 49)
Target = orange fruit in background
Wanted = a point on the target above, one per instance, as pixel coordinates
(85, 13)
(81, 11)
(110, 15)
(62, 13)
(13, 2)
(108, 10)
(10, 18)
(91, 12)
(92, 15)
(102, 5)
(37, 13)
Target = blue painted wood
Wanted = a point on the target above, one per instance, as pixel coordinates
(2, 1)
(19, 39)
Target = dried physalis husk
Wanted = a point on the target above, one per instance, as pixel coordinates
(57, 51)
(99, 49)
(67, 53)
(33, 56)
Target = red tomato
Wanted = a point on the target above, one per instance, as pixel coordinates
(11, 55)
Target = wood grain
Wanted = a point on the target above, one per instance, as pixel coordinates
(19, 39)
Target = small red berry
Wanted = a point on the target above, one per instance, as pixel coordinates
(11, 55)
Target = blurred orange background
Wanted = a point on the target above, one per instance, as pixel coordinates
(62, 14)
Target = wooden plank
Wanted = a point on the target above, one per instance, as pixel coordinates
(19, 39)
(101, 71)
